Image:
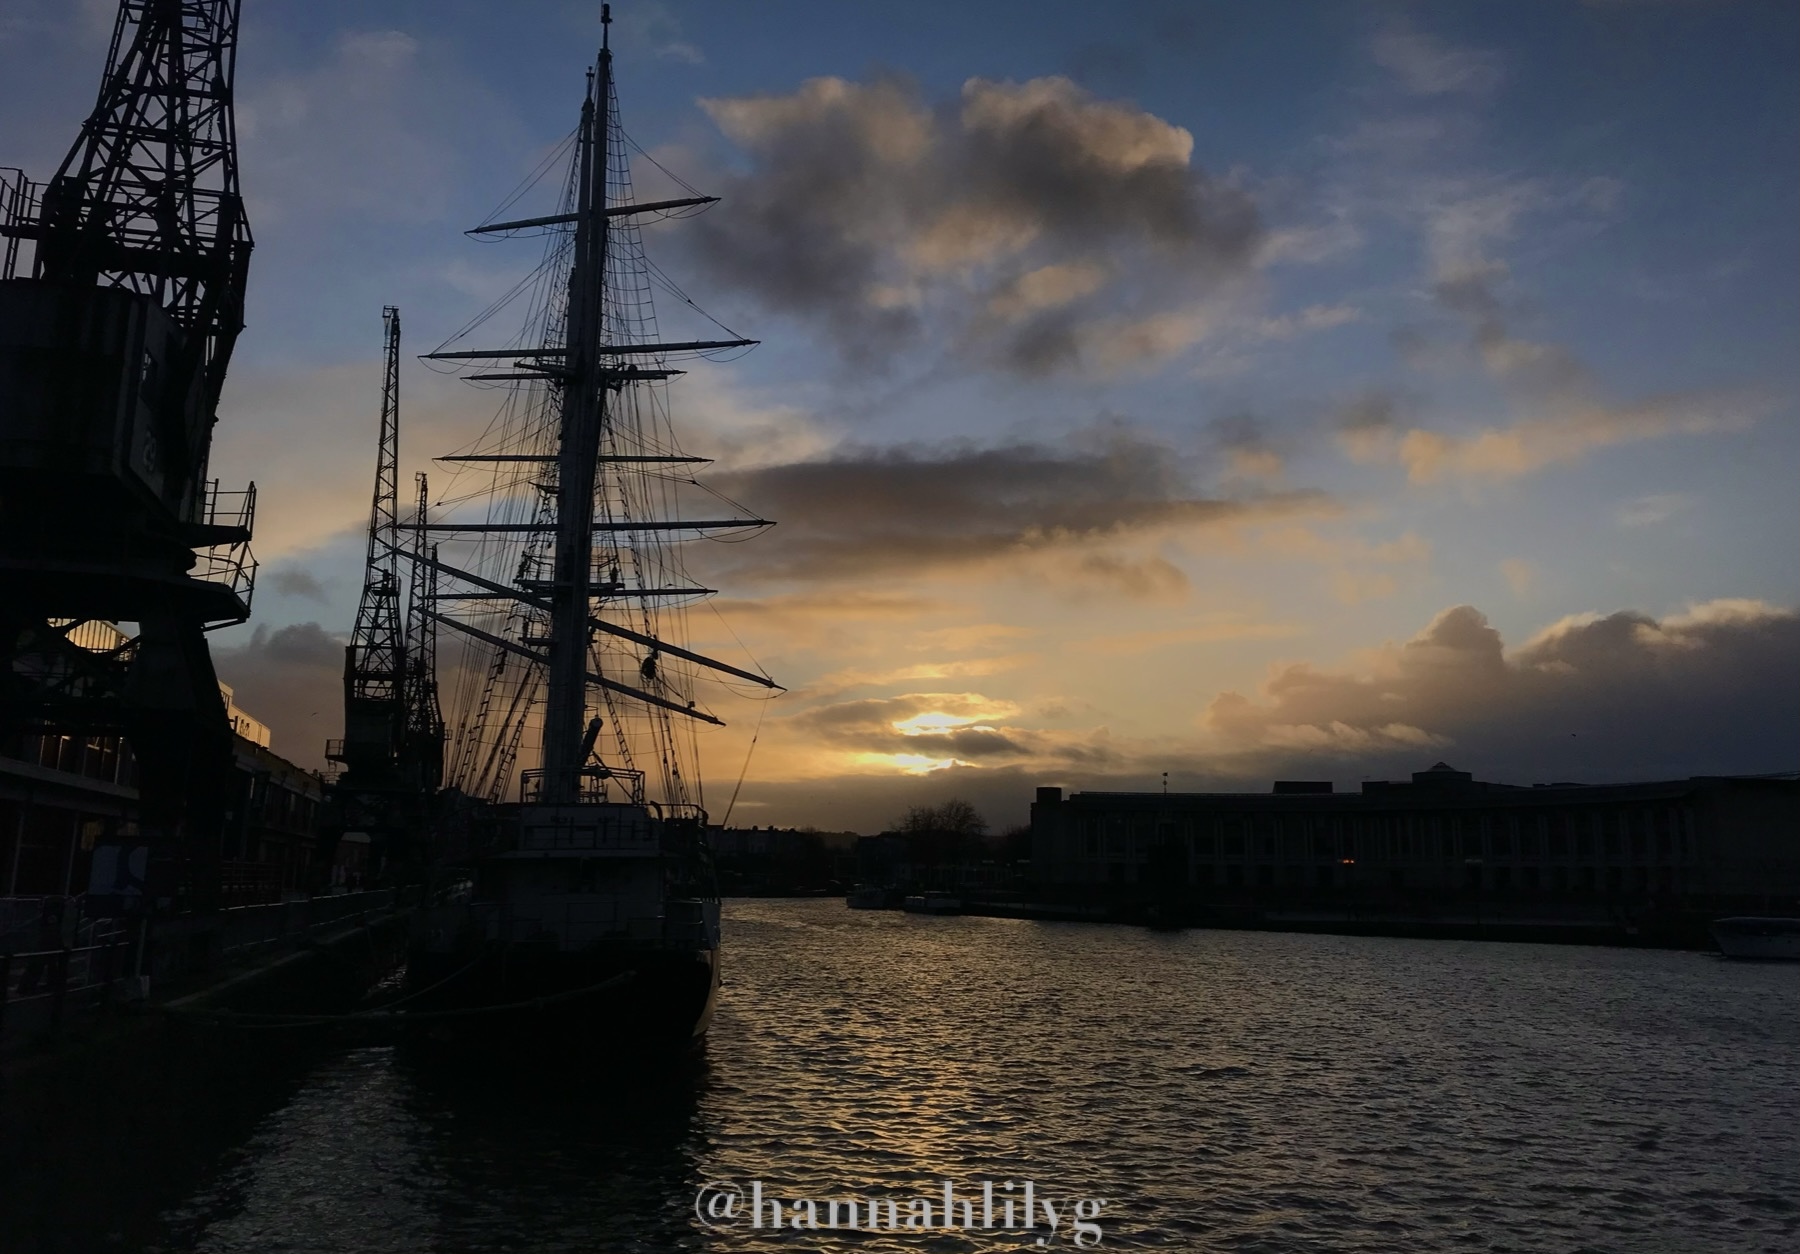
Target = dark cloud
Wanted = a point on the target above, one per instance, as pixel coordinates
(962, 727)
(296, 581)
(1042, 227)
(1619, 696)
(1247, 446)
(292, 679)
(1372, 411)
(869, 511)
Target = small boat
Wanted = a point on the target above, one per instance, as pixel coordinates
(863, 897)
(932, 903)
(1776, 939)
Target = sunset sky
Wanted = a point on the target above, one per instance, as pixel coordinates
(1233, 390)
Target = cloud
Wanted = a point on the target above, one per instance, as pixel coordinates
(1243, 440)
(920, 733)
(375, 128)
(1656, 507)
(1037, 226)
(290, 678)
(1569, 429)
(1560, 412)
(1428, 66)
(1217, 630)
(1621, 695)
(654, 25)
(856, 677)
(869, 512)
(1521, 575)
(296, 581)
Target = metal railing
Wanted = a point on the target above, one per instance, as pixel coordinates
(20, 199)
(244, 927)
(39, 985)
(614, 785)
(231, 564)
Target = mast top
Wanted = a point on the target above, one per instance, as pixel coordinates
(605, 21)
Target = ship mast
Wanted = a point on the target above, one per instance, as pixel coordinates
(583, 416)
(589, 373)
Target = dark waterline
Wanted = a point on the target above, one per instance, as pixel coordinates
(1219, 1090)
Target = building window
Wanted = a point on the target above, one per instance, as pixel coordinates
(1501, 840)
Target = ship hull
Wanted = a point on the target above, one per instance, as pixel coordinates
(555, 1004)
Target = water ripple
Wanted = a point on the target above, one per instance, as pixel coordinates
(1221, 1091)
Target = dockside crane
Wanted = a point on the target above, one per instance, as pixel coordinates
(422, 738)
(393, 744)
(375, 658)
(121, 297)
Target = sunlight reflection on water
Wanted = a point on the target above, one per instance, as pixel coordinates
(1221, 1090)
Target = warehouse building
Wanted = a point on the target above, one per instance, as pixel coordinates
(1716, 843)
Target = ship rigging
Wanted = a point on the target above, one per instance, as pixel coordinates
(569, 594)
(586, 896)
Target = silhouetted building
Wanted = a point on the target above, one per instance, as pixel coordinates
(1712, 842)
(759, 861)
(63, 795)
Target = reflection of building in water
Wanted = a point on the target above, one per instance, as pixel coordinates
(1702, 843)
(62, 794)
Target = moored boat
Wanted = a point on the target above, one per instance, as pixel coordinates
(582, 917)
(1775, 939)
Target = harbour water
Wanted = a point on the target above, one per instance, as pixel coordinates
(1217, 1090)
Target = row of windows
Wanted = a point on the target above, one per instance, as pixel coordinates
(279, 806)
(1412, 841)
(1620, 821)
(1557, 879)
(105, 758)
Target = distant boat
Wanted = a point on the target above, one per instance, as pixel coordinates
(932, 903)
(1766, 938)
(863, 897)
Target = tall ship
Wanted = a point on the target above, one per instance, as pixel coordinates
(573, 901)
